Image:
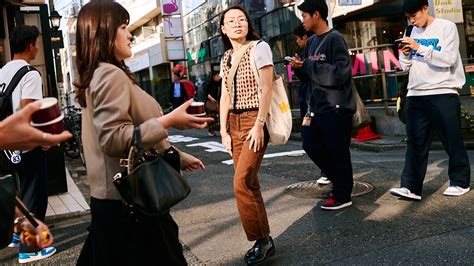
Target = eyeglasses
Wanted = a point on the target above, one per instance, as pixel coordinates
(233, 22)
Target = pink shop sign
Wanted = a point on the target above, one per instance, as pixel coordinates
(171, 7)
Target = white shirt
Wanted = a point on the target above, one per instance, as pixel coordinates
(263, 56)
(436, 68)
(29, 87)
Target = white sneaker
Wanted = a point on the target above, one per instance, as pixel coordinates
(33, 256)
(404, 192)
(323, 181)
(455, 191)
(15, 241)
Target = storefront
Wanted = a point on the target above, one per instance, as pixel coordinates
(370, 33)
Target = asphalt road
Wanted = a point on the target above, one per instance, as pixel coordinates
(377, 229)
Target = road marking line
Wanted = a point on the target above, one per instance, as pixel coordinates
(271, 155)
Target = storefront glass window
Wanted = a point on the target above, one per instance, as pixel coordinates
(217, 47)
(278, 22)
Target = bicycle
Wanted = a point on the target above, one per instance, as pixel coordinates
(72, 122)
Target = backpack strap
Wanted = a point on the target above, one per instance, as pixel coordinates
(17, 78)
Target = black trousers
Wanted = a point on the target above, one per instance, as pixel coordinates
(116, 239)
(327, 141)
(442, 114)
(33, 175)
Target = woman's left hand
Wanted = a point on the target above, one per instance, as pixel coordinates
(191, 163)
(256, 138)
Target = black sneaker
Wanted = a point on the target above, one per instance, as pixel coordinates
(333, 204)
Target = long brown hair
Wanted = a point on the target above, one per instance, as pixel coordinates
(97, 25)
(252, 34)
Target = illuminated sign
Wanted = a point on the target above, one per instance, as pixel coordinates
(57, 39)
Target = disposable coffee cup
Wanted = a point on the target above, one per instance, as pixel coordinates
(55, 126)
(48, 112)
(196, 108)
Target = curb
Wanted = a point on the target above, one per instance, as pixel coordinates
(61, 217)
(365, 146)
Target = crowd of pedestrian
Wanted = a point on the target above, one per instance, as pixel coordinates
(237, 102)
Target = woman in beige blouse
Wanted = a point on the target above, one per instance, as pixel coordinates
(113, 105)
(244, 111)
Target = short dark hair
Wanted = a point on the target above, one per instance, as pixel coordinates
(311, 6)
(301, 32)
(413, 6)
(22, 36)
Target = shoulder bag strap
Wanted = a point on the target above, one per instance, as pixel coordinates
(138, 141)
(235, 65)
(253, 62)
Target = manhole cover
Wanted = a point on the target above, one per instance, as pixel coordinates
(311, 189)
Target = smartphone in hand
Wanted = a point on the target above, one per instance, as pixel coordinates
(289, 58)
(400, 43)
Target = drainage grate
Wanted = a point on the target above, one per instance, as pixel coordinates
(311, 189)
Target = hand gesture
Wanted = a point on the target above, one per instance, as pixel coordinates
(18, 134)
(297, 63)
(256, 136)
(39, 237)
(191, 163)
(410, 44)
(180, 119)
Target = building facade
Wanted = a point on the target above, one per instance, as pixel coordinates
(369, 27)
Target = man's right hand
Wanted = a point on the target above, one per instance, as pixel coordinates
(39, 237)
(297, 63)
(18, 134)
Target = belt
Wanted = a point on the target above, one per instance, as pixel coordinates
(240, 111)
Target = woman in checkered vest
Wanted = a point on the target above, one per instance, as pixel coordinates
(243, 111)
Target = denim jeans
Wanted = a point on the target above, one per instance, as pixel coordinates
(442, 114)
(327, 141)
(246, 185)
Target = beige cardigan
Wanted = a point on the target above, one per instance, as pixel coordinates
(114, 107)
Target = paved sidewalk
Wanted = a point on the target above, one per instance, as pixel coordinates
(69, 204)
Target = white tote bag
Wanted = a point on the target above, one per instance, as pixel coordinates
(279, 121)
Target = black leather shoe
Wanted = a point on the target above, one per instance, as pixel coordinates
(261, 250)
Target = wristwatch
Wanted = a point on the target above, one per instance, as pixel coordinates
(261, 119)
(18, 220)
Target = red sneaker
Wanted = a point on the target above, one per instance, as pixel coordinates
(332, 204)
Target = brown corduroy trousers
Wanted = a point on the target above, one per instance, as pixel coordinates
(246, 185)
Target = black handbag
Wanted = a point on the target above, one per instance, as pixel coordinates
(151, 184)
(8, 187)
